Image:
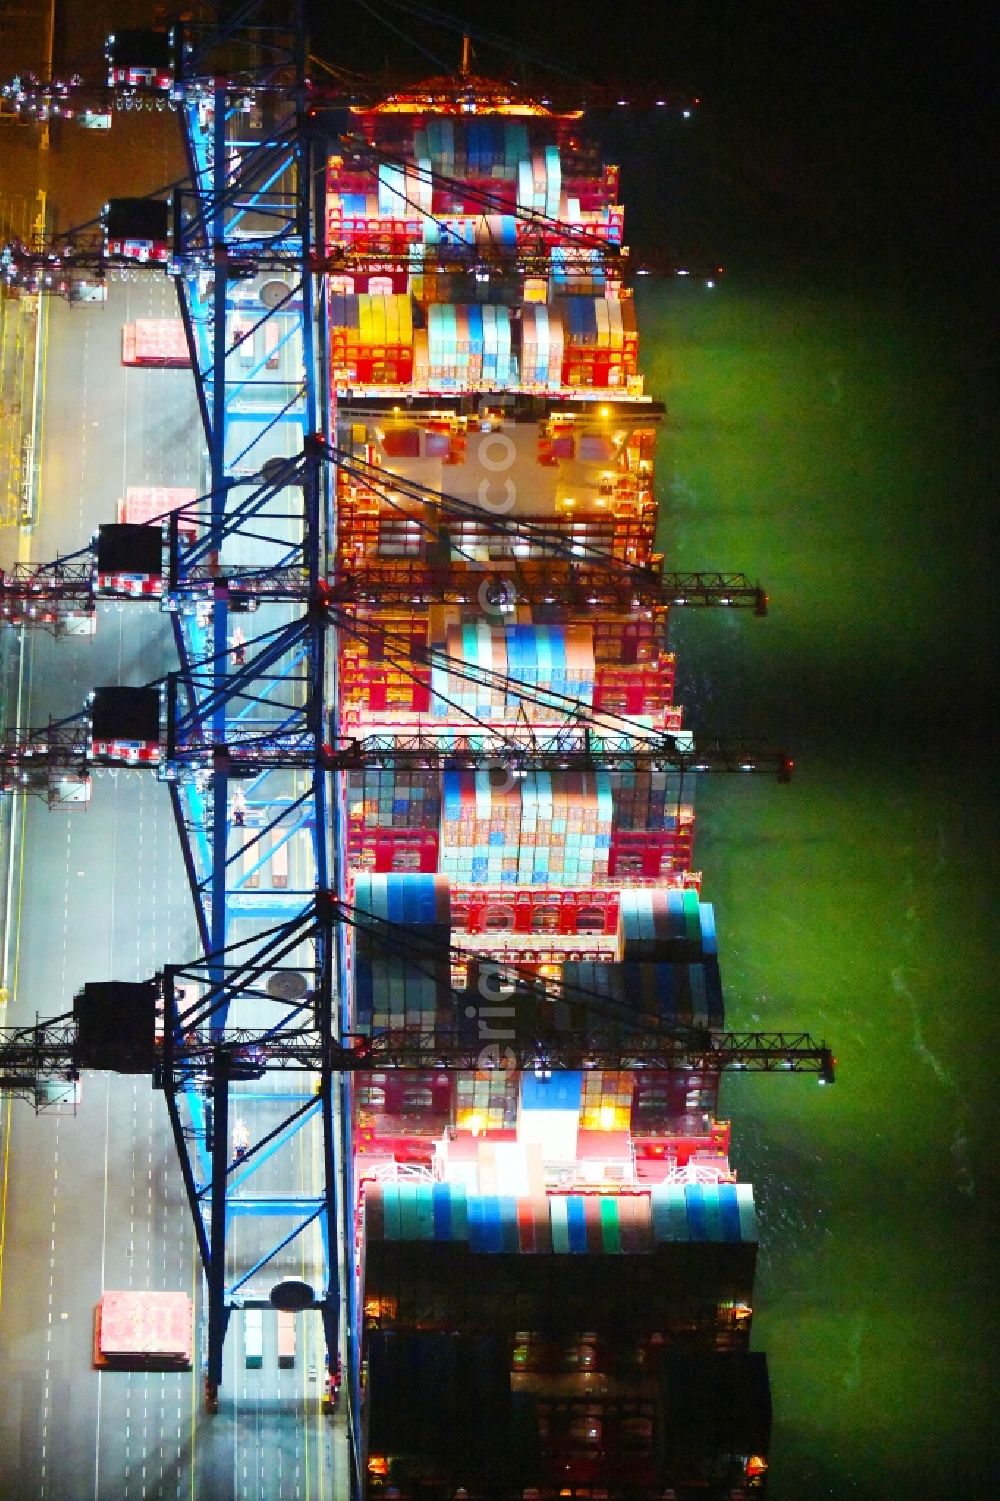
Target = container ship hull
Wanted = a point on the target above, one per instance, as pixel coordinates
(554, 1271)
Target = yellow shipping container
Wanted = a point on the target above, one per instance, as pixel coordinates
(405, 318)
(421, 357)
(365, 319)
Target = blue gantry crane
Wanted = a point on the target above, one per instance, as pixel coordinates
(245, 717)
(242, 704)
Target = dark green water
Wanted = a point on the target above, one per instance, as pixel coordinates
(828, 435)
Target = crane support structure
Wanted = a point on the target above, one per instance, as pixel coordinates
(252, 203)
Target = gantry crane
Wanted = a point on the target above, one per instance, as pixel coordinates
(82, 258)
(270, 191)
(142, 67)
(34, 760)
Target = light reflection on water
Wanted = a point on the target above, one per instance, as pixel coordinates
(833, 445)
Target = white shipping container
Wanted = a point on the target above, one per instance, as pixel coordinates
(525, 187)
(242, 330)
(553, 183)
(279, 860)
(253, 1338)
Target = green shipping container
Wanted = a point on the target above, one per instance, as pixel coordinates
(390, 1203)
(713, 1216)
(610, 1226)
(424, 1208)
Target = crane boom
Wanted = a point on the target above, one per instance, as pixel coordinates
(335, 88)
(54, 264)
(29, 757)
(30, 1056)
(38, 593)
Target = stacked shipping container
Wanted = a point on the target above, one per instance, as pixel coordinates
(402, 965)
(608, 1224)
(576, 341)
(486, 192)
(538, 830)
(371, 338)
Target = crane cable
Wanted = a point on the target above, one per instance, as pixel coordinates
(519, 529)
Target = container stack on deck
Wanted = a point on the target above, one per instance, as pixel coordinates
(565, 1257)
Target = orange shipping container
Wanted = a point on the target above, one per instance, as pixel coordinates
(286, 1338)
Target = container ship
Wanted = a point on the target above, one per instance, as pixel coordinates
(555, 1267)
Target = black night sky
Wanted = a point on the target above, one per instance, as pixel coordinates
(860, 127)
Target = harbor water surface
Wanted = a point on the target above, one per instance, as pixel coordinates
(828, 434)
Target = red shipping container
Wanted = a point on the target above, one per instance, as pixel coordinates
(144, 1329)
(592, 1222)
(158, 342)
(526, 1226)
(404, 849)
(543, 1222)
(145, 504)
(649, 853)
(419, 1093)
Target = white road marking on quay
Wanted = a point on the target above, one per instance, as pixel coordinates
(84, 463)
(104, 1252)
(82, 432)
(47, 1370)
